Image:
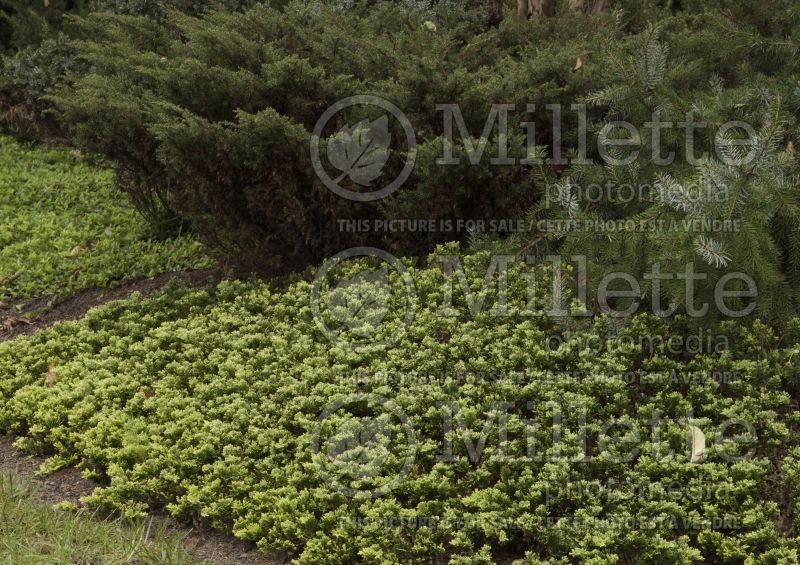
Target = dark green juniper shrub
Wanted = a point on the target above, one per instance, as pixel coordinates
(37, 52)
(25, 23)
(210, 119)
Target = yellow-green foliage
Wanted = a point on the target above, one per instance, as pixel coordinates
(208, 403)
(64, 226)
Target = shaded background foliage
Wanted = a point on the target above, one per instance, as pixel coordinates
(206, 110)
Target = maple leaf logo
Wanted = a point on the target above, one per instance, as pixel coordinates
(360, 151)
(358, 437)
(360, 302)
(360, 448)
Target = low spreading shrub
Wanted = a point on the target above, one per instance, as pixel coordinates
(64, 226)
(213, 404)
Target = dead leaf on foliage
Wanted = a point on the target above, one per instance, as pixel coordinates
(75, 251)
(578, 65)
(698, 439)
(50, 378)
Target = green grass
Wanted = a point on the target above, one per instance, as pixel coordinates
(209, 402)
(34, 533)
(64, 226)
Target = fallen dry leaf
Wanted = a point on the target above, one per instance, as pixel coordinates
(698, 444)
(75, 251)
(50, 378)
(11, 323)
(578, 65)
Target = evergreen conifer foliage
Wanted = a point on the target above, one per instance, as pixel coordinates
(231, 156)
(724, 203)
(209, 120)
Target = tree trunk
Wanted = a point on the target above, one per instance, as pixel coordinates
(535, 8)
(589, 6)
(521, 11)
